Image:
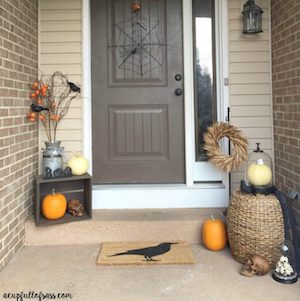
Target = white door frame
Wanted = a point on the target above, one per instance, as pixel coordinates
(190, 194)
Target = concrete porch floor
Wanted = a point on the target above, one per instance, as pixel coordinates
(72, 269)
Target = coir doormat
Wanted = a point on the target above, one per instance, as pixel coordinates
(145, 253)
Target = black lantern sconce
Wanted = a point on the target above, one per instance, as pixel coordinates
(252, 18)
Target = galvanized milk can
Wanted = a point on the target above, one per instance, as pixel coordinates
(52, 158)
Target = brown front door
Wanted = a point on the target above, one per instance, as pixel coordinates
(137, 85)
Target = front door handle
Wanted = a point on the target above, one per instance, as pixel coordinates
(178, 92)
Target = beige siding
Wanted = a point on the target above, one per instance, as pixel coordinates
(60, 50)
(250, 81)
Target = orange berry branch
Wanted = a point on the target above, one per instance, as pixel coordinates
(51, 98)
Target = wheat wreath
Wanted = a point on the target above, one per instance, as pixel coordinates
(211, 144)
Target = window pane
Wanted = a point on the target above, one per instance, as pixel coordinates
(204, 71)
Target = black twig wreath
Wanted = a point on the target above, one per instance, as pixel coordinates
(211, 144)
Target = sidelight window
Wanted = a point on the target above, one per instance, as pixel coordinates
(204, 71)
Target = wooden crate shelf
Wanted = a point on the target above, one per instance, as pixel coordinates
(75, 187)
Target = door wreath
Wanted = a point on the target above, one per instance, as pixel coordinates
(239, 142)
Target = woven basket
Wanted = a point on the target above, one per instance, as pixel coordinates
(255, 226)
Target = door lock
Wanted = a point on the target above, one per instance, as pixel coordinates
(178, 92)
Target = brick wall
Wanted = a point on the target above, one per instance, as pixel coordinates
(18, 137)
(285, 23)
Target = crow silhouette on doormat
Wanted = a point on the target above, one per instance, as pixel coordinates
(149, 252)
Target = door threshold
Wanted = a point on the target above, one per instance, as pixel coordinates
(163, 196)
(197, 185)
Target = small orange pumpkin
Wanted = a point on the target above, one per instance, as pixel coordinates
(214, 234)
(54, 205)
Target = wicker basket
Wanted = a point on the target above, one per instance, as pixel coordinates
(255, 226)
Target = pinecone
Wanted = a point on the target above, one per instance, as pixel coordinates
(75, 208)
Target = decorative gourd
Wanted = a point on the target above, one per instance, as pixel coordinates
(214, 234)
(259, 174)
(54, 205)
(79, 165)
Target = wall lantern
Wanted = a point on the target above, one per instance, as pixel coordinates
(252, 18)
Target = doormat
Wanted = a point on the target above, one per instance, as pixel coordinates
(145, 253)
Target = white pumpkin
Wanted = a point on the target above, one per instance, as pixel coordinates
(259, 174)
(79, 165)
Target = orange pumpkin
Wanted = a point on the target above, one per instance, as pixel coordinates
(54, 205)
(214, 234)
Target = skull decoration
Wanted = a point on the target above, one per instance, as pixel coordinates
(255, 265)
(284, 271)
(283, 267)
(75, 208)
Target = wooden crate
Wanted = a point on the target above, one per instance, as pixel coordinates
(75, 187)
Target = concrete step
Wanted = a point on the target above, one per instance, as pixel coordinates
(124, 225)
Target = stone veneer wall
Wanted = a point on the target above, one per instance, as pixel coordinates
(285, 24)
(18, 137)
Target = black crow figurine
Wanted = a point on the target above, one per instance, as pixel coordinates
(37, 108)
(74, 87)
